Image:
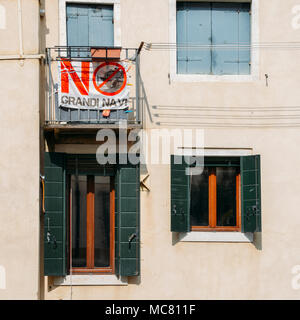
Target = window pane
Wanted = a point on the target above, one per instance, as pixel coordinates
(102, 221)
(226, 196)
(79, 189)
(199, 199)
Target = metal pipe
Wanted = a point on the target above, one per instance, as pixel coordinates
(137, 89)
(49, 85)
(43, 195)
(22, 57)
(140, 47)
(20, 28)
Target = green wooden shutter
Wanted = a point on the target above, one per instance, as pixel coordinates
(180, 196)
(55, 260)
(251, 193)
(127, 221)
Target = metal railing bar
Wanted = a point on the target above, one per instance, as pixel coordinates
(55, 114)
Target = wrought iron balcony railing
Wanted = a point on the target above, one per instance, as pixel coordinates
(93, 85)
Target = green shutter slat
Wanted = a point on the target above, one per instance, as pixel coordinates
(55, 259)
(180, 196)
(86, 164)
(251, 193)
(117, 223)
(127, 220)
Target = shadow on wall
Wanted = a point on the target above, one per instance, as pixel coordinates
(257, 240)
(44, 31)
(175, 238)
(134, 280)
(224, 116)
(51, 285)
(145, 103)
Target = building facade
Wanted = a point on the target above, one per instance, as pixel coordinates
(220, 78)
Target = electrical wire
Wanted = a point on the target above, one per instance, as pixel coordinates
(213, 116)
(226, 125)
(229, 109)
(227, 46)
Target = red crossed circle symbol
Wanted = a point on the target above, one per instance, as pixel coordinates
(98, 87)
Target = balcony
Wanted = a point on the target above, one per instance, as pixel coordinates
(93, 87)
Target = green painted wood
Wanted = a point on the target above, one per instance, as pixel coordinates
(222, 161)
(55, 258)
(87, 164)
(127, 220)
(251, 193)
(180, 195)
(117, 224)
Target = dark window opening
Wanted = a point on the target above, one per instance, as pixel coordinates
(215, 199)
(91, 223)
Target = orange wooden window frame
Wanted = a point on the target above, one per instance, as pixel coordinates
(212, 205)
(90, 243)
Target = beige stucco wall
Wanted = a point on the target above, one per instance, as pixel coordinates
(9, 37)
(19, 162)
(199, 270)
(234, 115)
(260, 104)
(19, 178)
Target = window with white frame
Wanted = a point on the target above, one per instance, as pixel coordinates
(90, 24)
(213, 38)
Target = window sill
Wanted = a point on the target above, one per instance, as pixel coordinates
(91, 280)
(212, 78)
(202, 236)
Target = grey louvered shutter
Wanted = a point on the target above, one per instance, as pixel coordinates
(251, 193)
(55, 257)
(190, 32)
(127, 220)
(180, 195)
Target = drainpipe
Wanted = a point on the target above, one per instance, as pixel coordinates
(20, 28)
(21, 55)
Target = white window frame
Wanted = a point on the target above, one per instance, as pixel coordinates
(63, 18)
(91, 280)
(205, 236)
(216, 78)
